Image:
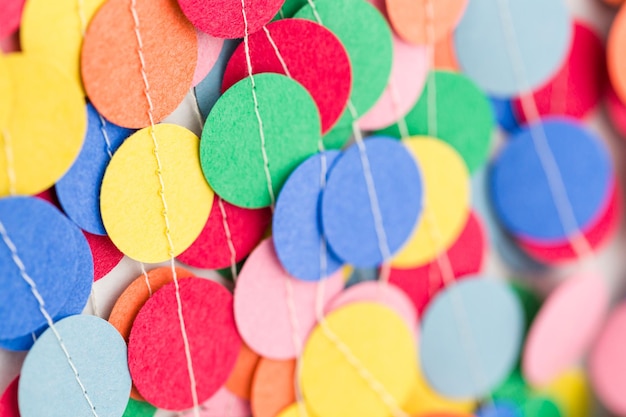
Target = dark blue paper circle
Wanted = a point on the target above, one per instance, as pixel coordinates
(347, 215)
(79, 189)
(297, 226)
(520, 190)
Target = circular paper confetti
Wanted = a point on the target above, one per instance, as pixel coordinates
(272, 387)
(231, 148)
(156, 353)
(104, 253)
(48, 384)
(10, 15)
(240, 380)
(210, 88)
(616, 111)
(132, 208)
(615, 59)
(139, 409)
(209, 49)
(8, 401)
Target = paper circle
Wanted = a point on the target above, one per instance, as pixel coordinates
(55, 256)
(607, 364)
(209, 49)
(78, 190)
(210, 88)
(10, 16)
(272, 387)
(552, 345)
(410, 19)
(525, 204)
(240, 380)
(616, 111)
(306, 49)
(111, 67)
(571, 393)
(579, 85)
(498, 409)
(6, 88)
(446, 201)
(231, 147)
(8, 401)
(297, 228)
(504, 114)
(484, 43)
(390, 363)
(464, 117)
(156, 354)
(493, 325)
(466, 256)
(54, 32)
(104, 253)
(48, 384)
(221, 403)
(262, 308)
(45, 150)
(347, 215)
(615, 60)
(224, 18)
(131, 206)
(139, 409)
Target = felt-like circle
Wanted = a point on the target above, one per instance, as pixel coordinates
(504, 114)
(211, 250)
(525, 204)
(297, 226)
(272, 387)
(571, 393)
(579, 85)
(223, 402)
(6, 94)
(48, 245)
(48, 384)
(156, 354)
(231, 148)
(209, 49)
(54, 32)
(616, 111)
(466, 256)
(131, 206)
(42, 151)
(347, 216)
(464, 117)
(306, 49)
(391, 363)
(493, 325)
(10, 43)
(410, 20)
(607, 364)
(210, 88)
(552, 345)
(104, 253)
(446, 201)
(8, 400)
(224, 18)
(240, 380)
(498, 409)
(262, 308)
(111, 68)
(615, 59)
(445, 54)
(78, 190)
(136, 408)
(484, 47)
(10, 16)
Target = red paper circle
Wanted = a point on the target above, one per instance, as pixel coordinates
(156, 353)
(105, 255)
(314, 57)
(10, 16)
(211, 250)
(8, 401)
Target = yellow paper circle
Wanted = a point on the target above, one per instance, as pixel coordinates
(384, 346)
(294, 410)
(446, 201)
(570, 393)
(53, 30)
(130, 200)
(45, 128)
(6, 94)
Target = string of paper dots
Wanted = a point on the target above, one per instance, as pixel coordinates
(312, 208)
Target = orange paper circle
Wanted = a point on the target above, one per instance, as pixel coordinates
(272, 387)
(240, 379)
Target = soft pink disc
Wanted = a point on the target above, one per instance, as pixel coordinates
(579, 85)
(8, 400)
(607, 363)
(224, 18)
(10, 16)
(105, 255)
(156, 352)
(262, 304)
(313, 56)
(374, 291)
(222, 403)
(617, 112)
(211, 250)
(209, 49)
(466, 257)
(565, 327)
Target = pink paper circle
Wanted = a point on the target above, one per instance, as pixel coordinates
(262, 308)
(10, 16)
(222, 403)
(8, 400)
(209, 49)
(105, 255)
(565, 327)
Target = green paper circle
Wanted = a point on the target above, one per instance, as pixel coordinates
(139, 409)
(540, 407)
(464, 118)
(230, 150)
(366, 36)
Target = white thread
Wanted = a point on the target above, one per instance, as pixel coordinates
(94, 305)
(229, 239)
(105, 135)
(195, 107)
(170, 243)
(42, 308)
(315, 12)
(146, 277)
(277, 52)
(8, 154)
(81, 16)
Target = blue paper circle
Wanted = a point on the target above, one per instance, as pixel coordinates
(79, 189)
(520, 190)
(542, 31)
(209, 90)
(297, 225)
(48, 386)
(471, 337)
(498, 409)
(347, 215)
(46, 244)
(504, 113)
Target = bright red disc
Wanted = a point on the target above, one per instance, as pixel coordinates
(466, 257)
(10, 16)
(156, 353)
(8, 401)
(211, 249)
(105, 255)
(579, 85)
(313, 56)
